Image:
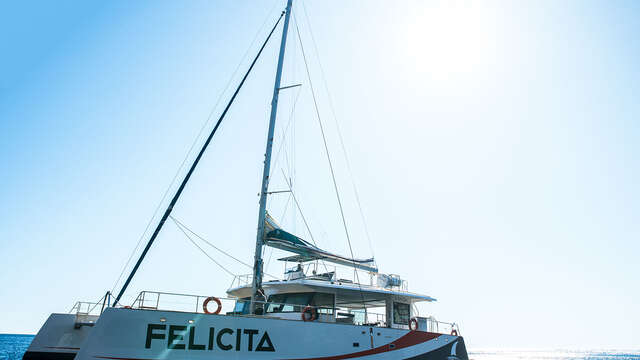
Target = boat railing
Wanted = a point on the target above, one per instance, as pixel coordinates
(374, 319)
(85, 308)
(241, 280)
(88, 312)
(312, 273)
(430, 324)
(91, 308)
(156, 300)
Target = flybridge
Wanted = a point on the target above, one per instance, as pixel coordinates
(280, 239)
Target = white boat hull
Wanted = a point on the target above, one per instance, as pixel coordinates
(59, 338)
(128, 334)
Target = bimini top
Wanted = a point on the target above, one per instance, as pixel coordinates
(280, 239)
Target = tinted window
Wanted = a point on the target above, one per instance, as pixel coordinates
(242, 306)
(401, 313)
(295, 302)
(324, 303)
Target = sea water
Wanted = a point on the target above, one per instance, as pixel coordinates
(12, 347)
(555, 354)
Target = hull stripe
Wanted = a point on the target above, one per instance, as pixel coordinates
(410, 339)
(119, 358)
(45, 355)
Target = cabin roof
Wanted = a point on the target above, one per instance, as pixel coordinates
(347, 294)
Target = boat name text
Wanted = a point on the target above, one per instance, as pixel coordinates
(182, 337)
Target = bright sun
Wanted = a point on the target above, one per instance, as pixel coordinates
(450, 40)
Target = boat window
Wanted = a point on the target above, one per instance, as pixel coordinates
(359, 317)
(324, 303)
(275, 303)
(401, 313)
(295, 302)
(242, 306)
(296, 299)
(288, 302)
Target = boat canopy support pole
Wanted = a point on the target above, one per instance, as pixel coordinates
(175, 198)
(256, 284)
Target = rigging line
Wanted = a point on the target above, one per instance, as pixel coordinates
(164, 196)
(286, 207)
(210, 244)
(284, 133)
(295, 200)
(193, 166)
(302, 214)
(326, 147)
(335, 119)
(181, 224)
(201, 249)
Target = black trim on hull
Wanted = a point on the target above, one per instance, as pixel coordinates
(444, 353)
(48, 355)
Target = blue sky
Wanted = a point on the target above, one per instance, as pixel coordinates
(494, 145)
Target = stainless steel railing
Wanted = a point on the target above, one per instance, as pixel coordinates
(92, 308)
(157, 300)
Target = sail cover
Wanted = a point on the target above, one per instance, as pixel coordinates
(280, 239)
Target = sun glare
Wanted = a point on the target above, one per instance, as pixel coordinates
(450, 40)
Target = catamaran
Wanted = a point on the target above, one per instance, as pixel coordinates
(310, 313)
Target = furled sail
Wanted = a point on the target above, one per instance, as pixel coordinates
(280, 239)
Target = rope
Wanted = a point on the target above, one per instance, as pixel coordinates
(335, 119)
(182, 225)
(304, 220)
(206, 123)
(299, 209)
(333, 178)
(284, 133)
(201, 249)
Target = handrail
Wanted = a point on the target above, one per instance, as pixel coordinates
(83, 308)
(143, 298)
(104, 300)
(434, 325)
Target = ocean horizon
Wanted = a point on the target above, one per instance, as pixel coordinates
(13, 346)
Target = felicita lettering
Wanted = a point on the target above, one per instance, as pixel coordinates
(181, 337)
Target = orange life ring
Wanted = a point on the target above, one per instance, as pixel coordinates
(454, 332)
(312, 311)
(413, 324)
(206, 302)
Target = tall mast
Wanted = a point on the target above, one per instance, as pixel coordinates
(256, 285)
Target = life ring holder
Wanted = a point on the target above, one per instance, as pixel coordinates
(312, 311)
(413, 324)
(207, 301)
